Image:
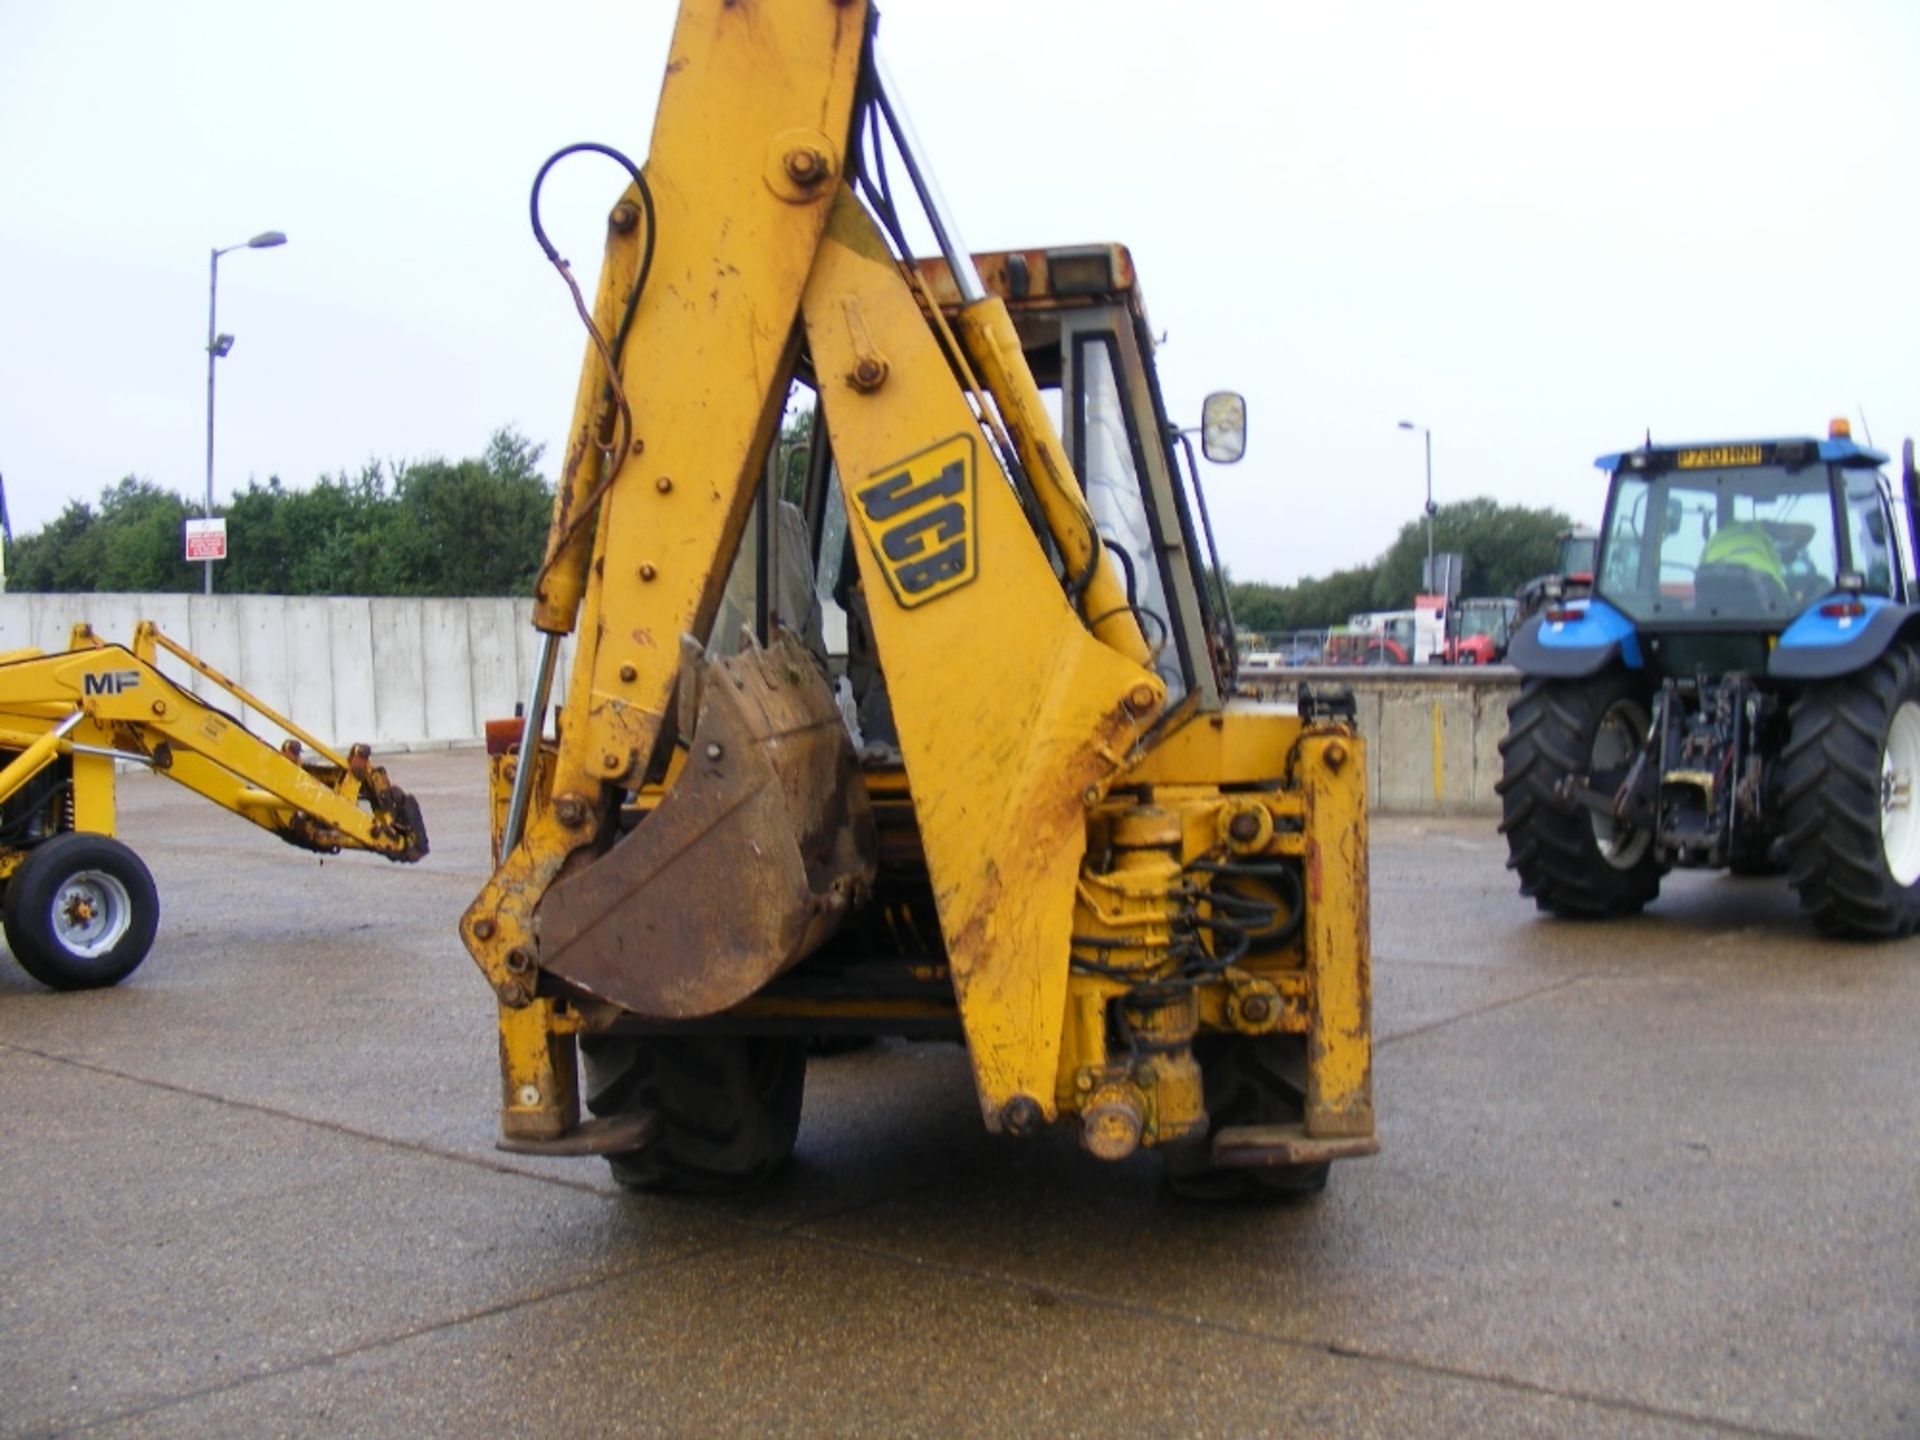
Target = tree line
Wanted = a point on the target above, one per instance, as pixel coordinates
(1502, 547)
(428, 527)
(479, 526)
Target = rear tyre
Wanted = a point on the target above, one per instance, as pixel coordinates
(729, 1106)
(1247, 1080)
(1850, 799)
(1572, 860)
(80, 912)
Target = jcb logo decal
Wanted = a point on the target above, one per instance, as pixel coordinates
(918, 515)
(109, 682)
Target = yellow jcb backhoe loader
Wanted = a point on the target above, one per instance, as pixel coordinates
(923, 727)
(80, 907)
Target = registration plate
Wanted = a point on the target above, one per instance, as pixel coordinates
(1717, 457)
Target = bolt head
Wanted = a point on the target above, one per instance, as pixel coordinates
(647, 572)
(1020, 1115)
(629, 674)
(714, 751)
(484, 929)
(806, 166)
(528, 1096)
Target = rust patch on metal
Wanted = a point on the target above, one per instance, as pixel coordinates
(747, 865)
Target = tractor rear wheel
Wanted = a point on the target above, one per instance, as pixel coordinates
(1572, 860)
(81, 912)
(1247, 1080)
(729, 1106)
(1852, 809)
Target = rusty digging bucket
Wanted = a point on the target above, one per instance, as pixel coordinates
(748, 864)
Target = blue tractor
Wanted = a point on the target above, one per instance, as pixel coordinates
(1741, 690)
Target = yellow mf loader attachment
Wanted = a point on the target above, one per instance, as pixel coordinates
(903, 699)
(80, 907)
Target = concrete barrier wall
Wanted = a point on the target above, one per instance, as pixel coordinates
(1433, 732)
(399, 674)
(403, 674)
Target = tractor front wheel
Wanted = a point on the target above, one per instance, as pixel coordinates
(729, 1106)
(1851, 798)
(80, 912)
(1573, 860)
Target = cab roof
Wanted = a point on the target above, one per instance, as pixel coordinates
(1708, 454)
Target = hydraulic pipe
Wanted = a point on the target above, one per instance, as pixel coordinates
(945, 233)
(37, 756)
(532, 723)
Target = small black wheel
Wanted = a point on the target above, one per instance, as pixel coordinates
(80, 912)
(1247, 1080)
(1572, 860)
(729, 1106)
(1851, 798)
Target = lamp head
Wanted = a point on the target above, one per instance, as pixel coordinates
(266, 240)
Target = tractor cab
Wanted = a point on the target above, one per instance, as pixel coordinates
(1709, 553)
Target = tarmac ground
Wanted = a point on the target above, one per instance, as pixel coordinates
(1659, 1177)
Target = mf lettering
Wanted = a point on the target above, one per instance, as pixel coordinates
(109, 682)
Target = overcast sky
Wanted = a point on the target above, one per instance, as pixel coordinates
(1537, 228)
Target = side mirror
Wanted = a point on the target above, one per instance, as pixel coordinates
(1223, 427)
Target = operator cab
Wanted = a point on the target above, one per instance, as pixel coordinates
(1082, 323)
(1737, 540)
(1083, 328)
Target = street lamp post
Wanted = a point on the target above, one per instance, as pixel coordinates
(218, 345)
(1427, 579)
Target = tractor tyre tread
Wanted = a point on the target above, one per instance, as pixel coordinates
(1550, 841)
(1831, 801)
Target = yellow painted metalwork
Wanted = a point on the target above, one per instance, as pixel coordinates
(539, 1076)
(125, 707)
(148, 642)
(1245, 744)
(989, 336)
(755, 96)
(1012, 717)
(93, 794)
(1331, 767)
